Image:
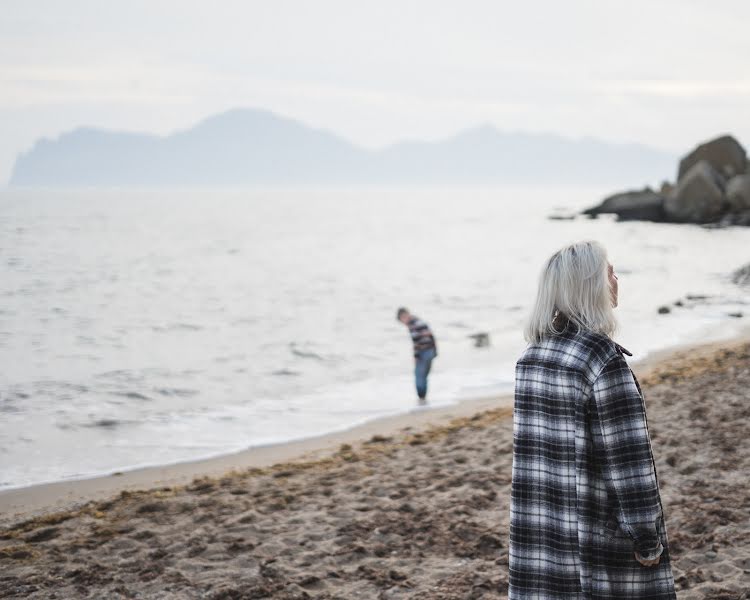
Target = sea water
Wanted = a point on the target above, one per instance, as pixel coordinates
(142, 327)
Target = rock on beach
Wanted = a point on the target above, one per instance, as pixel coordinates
(724, 153)
(698, 196)
(738, 193)
(644, 205)
(712, 187)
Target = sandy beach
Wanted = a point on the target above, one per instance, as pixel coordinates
(414, 506)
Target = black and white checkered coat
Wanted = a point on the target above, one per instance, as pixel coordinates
(585, 494)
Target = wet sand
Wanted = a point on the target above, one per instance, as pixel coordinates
(413, 510)
(27, 502)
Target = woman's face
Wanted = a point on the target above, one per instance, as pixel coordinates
(613, 289)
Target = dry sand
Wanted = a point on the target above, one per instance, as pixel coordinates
(419, 513)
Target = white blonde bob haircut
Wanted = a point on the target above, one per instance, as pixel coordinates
(573, 287)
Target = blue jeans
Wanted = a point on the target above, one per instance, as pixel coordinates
(422, 366)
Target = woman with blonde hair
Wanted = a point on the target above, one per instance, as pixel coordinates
(586, 515)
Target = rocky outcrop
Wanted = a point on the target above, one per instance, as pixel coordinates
(644, 205)
(738, 193)
(481, 340)
(713, 187)
(724, 154)
(742, 275)
(698, 196)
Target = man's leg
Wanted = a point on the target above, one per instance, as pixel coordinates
(421, 368)
(428, 356)
(429, 365)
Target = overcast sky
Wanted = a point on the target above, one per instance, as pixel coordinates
(667, 73)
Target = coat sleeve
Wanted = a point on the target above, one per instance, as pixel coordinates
(623, 449)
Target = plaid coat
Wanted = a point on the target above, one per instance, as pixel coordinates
(585, 493)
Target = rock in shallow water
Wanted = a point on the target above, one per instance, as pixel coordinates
(738, 193)
(713, 189)
(698, 196)
(725, 154)
(644, 205)
(742, 275)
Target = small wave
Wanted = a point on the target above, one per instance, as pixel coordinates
(177, 327)
(57, 388)
(304, 353)
(286, 373)
(117, 374)
(133, 395)
(65, 385)
(229, 358)
(107, 423)
(245, 321)
(182, 392)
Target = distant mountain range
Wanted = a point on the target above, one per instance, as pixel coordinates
(247, 146)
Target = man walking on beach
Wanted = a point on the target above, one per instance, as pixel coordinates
(425, 349)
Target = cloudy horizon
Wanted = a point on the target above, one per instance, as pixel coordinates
(377, 73)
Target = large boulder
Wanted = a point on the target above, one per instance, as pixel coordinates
(642, 205)
(735, 218)
(738, 193)
(725, 154)
(742, 275)
(698, 197)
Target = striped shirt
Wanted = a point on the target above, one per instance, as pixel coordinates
(421, 335)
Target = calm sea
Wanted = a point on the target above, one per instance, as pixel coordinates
(157, 326)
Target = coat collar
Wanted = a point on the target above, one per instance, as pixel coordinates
(622, 350)
(561, 322)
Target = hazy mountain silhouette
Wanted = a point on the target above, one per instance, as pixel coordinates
(246, 146)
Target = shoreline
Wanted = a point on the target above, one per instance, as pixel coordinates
(18, 504)
(30, 501)
(422, 515)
